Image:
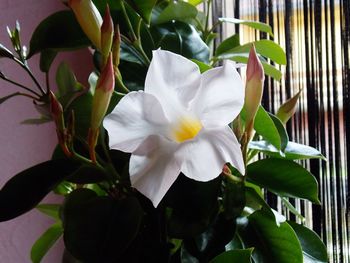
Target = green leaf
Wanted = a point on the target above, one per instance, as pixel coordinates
(26, 189)
(238, 255)
(47, 56)
(243, 58)
(285, 178)
(271, 243)
(99, 228)
(179, 11)
(265, 48)
(87, 174)
(253, 24)
(281, 131)
(202, 66)
(314, 251)
(45, 242)
(143, 8)
(51, 210)
(180, 38)
(265, 126)
(65, 79)
(58, 32)
(227, 44)
(194, 2)
(293, 151)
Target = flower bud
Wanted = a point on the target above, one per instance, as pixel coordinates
(100, 103)
(287, 109)
(107, 31)
(116, 47)
(254, 85)
(57, 114)
(89, 19)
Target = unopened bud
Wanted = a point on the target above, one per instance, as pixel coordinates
(103, 93)
(89, 19)
(287, 109)
(116, 47)
(107, 31)
(254, 88)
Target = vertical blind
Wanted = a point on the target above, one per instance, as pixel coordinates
(315, 36)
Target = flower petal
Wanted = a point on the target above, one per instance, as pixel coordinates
(137, 116)
(153, 174)
(206, 155)
(221, 96)
(173, 79)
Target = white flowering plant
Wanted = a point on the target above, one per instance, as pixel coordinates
(168, 154)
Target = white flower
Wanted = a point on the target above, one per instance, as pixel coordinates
(178, 124)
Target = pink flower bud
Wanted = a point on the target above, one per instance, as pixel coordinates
(287, 109)
(89, 19)
(107, 31)
(254, 87)
(103, 94)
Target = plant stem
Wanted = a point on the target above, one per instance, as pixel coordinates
(133, 36)
(21, 86)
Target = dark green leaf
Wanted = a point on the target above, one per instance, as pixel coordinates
(87, 174)
(253, 24)
(293, 151)
(179, 11)
(65, 79)
(314, 251)
(238, 255)
(271, 243)
(182, 39)
(281, 131)
(26, 189)
(59, 31)
(45, 242)
(99, 228)
(285, 178)
(265, 126)
(227, 44)
(51, 210)
(143, 8)
(47, 56)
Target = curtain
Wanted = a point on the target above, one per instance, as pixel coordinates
(315, 36)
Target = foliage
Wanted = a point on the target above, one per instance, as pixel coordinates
(103, 219)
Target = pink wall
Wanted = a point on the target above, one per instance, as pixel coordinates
(23, 145)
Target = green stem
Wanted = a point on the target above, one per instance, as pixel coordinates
(133, 36)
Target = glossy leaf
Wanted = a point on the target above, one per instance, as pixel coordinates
(87, 174)
(281, 131)
(179, 11)
(243, 58)
(194, 2)
(314, 251)
(143, 8)
(26, 189)
(285, 178)
(265, 126)
(47, 56)
(45, 242)
(182, 39)
(59, 31)
(99, 228)
(51, 210)
(271, 243)
(238, 255)
(253, 24)
(265, 48)
(293, 151)
(227, 44)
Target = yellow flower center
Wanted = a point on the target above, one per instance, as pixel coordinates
(187, 128)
